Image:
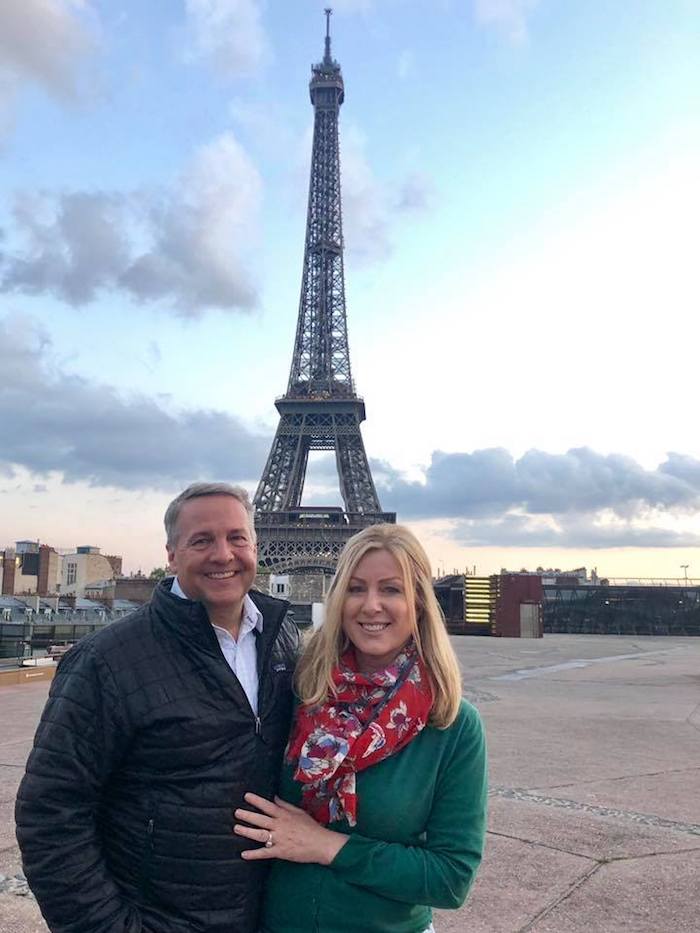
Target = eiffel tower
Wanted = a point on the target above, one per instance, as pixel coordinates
(320, 410)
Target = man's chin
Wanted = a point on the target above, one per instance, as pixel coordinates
(222, 597)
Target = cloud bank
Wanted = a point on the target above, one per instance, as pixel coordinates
(488, 482)
(579, 498)
(197, 238)
(56, 422)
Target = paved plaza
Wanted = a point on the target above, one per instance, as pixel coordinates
(595, 786)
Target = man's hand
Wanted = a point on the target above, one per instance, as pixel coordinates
(294, 835)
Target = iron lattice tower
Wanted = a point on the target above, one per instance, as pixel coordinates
(320, 410)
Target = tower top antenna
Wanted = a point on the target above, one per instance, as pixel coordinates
(327, 53)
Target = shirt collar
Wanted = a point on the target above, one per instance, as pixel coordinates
(252, 616)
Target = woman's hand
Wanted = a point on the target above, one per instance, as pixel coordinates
(295, 836)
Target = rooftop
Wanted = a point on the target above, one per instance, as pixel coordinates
(593, 820)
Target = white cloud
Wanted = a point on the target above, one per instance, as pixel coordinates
(228, 34)
(415, 194)
(198, 235)
(365, 212)
(509, 16)
(371, 206)
(44, 41)
(202, 235)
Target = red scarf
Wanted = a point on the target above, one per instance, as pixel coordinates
(371, 717)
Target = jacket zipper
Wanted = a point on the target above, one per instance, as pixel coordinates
(145, 873)
(264, 659)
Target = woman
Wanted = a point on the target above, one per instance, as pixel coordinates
(382, 805)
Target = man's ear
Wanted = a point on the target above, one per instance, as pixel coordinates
(172, 564)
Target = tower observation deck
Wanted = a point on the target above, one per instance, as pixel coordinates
(320, 409)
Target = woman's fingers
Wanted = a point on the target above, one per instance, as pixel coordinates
(256, 819)
(250, 832)
(262, 803)
(258, 835)
(253, 854)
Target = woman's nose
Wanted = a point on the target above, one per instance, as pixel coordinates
(373, 602)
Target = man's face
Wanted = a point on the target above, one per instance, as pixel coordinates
(214, 556)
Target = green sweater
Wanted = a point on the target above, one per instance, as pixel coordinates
(418, 841)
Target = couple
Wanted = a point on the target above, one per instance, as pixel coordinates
(159, 791)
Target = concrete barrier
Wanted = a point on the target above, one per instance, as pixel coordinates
(23, 675)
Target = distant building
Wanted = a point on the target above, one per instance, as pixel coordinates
(30, 568)
(556, 577)
(135, 590)
(86, 567)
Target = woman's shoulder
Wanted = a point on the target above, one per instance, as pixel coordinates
(468, 714)
(467, 724)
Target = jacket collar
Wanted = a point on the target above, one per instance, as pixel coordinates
(189, 618)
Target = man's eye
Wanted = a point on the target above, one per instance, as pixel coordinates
(199, 542)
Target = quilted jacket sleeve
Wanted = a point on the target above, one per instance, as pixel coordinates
(81, 738)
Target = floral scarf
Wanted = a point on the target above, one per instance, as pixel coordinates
(371, 717)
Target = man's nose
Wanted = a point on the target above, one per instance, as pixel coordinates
(223, 550)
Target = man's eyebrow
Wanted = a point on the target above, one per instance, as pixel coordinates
(207, 532)
(197, 533)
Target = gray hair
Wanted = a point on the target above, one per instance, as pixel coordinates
(195, 491)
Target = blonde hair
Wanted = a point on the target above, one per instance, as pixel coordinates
(314, 681)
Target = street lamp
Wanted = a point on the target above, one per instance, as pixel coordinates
(684, 568)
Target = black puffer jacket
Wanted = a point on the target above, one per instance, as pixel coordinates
(146, 746)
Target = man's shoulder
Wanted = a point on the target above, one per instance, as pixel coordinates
(111, 637)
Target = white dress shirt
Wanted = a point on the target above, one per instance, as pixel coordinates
(240, 654)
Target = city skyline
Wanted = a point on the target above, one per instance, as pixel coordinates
(520, 196)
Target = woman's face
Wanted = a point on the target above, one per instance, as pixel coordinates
(376, 615)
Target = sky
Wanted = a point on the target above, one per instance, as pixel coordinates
(521, 201)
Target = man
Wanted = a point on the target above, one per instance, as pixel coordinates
(154, 729)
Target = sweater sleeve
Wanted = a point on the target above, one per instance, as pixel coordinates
(440, 872)
(80, 739)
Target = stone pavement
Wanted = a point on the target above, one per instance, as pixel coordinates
(595, 786)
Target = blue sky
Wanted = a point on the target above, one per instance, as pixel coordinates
(521, 194)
